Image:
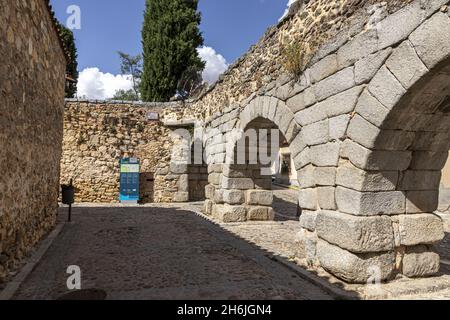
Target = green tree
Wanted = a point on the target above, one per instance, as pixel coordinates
(72, 65)
(132, 65)
(126, 95)
(170, 38)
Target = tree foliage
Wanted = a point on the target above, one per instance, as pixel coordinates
(131, 65)
(72, 65)
(170, 38)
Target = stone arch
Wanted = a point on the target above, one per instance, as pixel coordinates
(240, 191)
(387, 181)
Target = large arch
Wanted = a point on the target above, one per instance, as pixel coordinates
(242, 190)
(367, 125)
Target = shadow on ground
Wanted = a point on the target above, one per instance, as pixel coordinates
(160, 253)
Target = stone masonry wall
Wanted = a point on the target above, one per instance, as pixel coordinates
(98, 134)
(313, 22)
(32, 83)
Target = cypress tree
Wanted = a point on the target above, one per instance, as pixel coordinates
(170, 38)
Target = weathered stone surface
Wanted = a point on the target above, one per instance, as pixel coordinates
(302, 100)
(406, 65)
(316, 133)
(208, 207)
(324, 176)
(233, 196)
(420, 261)
(237, 183)
(311, 114)
(431, 46)
(259, 197)
(366, 68)
(325, 155)
(181, 197)
(361, 46)
(215, 178)
(420, 180)
(422, 201)
(307, 199)
(428, 160)
(367, 159)
(308, 220)
(370, 203)
(335, 84)
(370, 136)
(355, 268)
(386, 88)
(342, 103)
(209, 191)
(326, 198)
(354, 178)
(227, 213)
(371, 109)
(420, 229)
(338, 127)
(306, 177)
(356, 234)
(324, 68)
(261, 214)
(399, 25)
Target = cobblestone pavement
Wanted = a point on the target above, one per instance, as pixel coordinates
(160, 253)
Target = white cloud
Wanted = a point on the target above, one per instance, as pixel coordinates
(215, 64)
(94, 84)
(290, 2)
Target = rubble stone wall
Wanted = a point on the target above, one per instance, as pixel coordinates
(32, 71)
(97, 134)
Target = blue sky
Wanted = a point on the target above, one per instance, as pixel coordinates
(229, 28)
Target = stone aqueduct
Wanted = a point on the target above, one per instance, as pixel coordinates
(368, 127)
(367, 123)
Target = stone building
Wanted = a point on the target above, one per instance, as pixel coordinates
(32, 81)
(366, 120)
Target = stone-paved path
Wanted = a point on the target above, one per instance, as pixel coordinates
(160, 253)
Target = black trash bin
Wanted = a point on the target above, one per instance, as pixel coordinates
(68, 194)
(68, 197)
